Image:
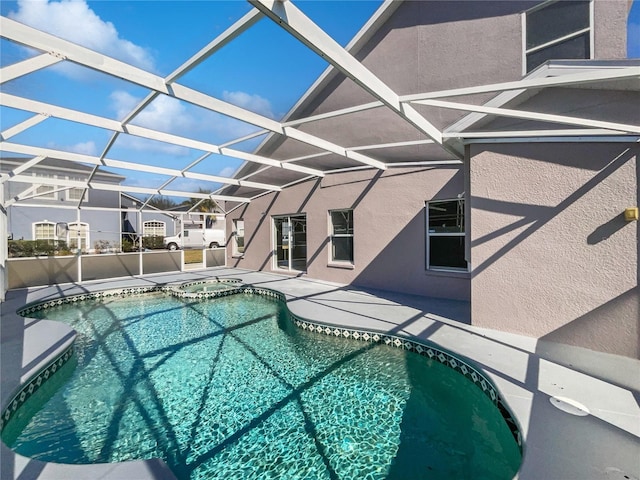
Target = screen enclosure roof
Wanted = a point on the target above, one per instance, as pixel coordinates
(168, 132)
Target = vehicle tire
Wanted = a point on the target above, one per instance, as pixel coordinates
(172, 246)
(213, 245)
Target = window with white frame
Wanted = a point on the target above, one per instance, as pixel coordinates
(78, 236)
(46, 192)
(445, 235)
(557, 30)
(238, 243)
(44, 231)
(341, 235)
(76, 193)
(154, 228)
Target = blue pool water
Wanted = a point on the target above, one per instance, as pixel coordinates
(228, 388)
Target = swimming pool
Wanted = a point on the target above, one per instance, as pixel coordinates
(229, 388)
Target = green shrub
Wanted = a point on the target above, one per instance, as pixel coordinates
(153, 242)
(37, 248)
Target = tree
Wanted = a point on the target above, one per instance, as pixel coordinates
(206, 205)
(162, 203)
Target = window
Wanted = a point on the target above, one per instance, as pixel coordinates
(557, 30)
(445, 235)
(44, 231)
(238, 244)
(45, 191)
(78, 234)
(76, 193)
(341, 235)
(154, 228)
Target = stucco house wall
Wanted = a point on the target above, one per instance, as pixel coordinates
(389, 228)
(552, 255)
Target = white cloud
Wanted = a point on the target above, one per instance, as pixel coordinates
(165, 114)
(227, 172)
(85, 148)
(73, 20)
(170, 115)
(254, 103)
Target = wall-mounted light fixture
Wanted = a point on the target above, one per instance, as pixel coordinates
(631, 214)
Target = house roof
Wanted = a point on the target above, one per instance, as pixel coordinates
(420, 136)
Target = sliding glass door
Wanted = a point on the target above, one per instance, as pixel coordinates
(290, 241)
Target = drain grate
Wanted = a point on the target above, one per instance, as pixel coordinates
(569, 406)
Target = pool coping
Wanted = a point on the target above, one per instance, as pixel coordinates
(499, 360)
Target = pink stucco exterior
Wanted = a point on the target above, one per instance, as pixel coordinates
(551, 252)
(389, 228)
(549, 255)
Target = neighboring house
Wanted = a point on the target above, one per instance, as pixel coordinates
(98, 225)
(530, 230)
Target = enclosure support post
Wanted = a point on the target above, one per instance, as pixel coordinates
(4, 245)
(79, 245)
(140, 232)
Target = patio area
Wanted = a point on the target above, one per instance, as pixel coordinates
(601, 440)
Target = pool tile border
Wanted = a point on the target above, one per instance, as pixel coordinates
(421, 348)
(27, 390)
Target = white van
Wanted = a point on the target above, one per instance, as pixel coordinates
(196, 238)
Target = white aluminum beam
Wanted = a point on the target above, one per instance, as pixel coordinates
(45, 42)
(575, 132)
(242, 139)
(335, 113)
(22, 126)
(289, 17)
(563, 139)
(122, 188)
(525, 115)
(273, 163)
(569, 79)
(27, 66)
(220, 41)
(21, 168)
(34, 38)
(109, 124)
(139, 167)
(332, 147)
(28, 105)
(392, 145)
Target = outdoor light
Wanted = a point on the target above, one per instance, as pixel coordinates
(631, 214)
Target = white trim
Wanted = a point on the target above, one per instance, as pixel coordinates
(81, 227)
(527, 115)
(43, 222)
(164, 227)
(578, 139)
(535, 79)
(428, 235)
(558, 41)
(234, 244)
(334, 261)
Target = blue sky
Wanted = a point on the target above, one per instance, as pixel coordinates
(263, 70)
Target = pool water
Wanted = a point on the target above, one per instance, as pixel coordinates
(228, 388)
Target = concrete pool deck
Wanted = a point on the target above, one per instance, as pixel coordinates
(603, 444)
